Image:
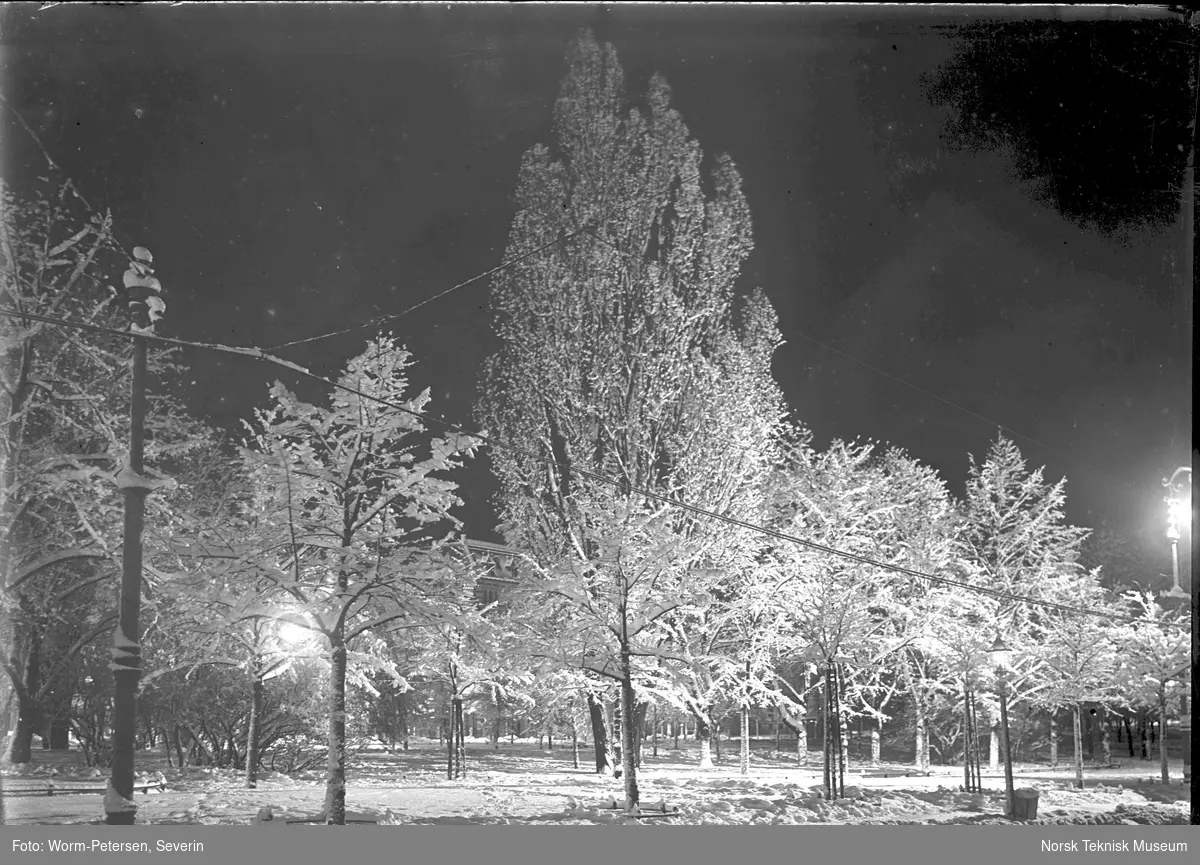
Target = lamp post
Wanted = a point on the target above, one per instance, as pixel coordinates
(145, 308)
(1179, 509)
(1001, 658)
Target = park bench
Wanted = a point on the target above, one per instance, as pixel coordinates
(52, 789)
(895, 773)
(647, 812)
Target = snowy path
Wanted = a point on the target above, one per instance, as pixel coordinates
(522, 785)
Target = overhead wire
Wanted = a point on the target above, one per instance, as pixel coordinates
(588, 230)
(260, 354)
(379, 321)
(382, 320)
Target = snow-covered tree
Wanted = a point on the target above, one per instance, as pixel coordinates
(1016, 540)
(1076, 661)
(607, 609)
(1154, 654)
(1016, 535)
(356, 500)
(828, 610)
(64, 414)
(625, 351)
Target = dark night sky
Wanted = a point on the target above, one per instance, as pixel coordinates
(296, 170)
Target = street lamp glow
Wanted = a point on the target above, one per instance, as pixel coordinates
(292, 634)
(1180, 511)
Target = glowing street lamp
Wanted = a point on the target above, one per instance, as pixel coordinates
(1001, 657)
(292, 634)
(1179, 511)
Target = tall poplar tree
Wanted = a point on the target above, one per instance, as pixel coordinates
(626, 351)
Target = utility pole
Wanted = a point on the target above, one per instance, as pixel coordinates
(145, 307)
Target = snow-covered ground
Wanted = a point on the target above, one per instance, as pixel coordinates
(523, 785)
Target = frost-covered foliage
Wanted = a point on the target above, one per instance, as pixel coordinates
(626, 350)
(64, 409)
(1154, 669)
(1017, 536)
(353, 514)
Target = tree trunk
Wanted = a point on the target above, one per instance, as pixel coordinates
(745, 754)
(921, 738)
(639, 727)
(574, 740)
(335, 771)
(21, 750)
(1075, 713)
(1054, 739)
(252, 728)
(704, 737)
(966, 727)
(994, 748)
(974, 773)
(655, 722)
(827, 742)
(1162, 733)
(402, 703)
(629, 729)
(876, 741)
(1128, 733)
(843, 743)
(615, 721)
(921, 741)
(459, 738)
(1105, 736)
(599, 735)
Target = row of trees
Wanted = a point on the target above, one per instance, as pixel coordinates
(635, 375)
(320, 545)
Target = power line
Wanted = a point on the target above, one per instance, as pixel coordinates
(260, 354)
(562, 238)
(377, 322)
(382, 320)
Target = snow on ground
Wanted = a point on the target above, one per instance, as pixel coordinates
(517, 783)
